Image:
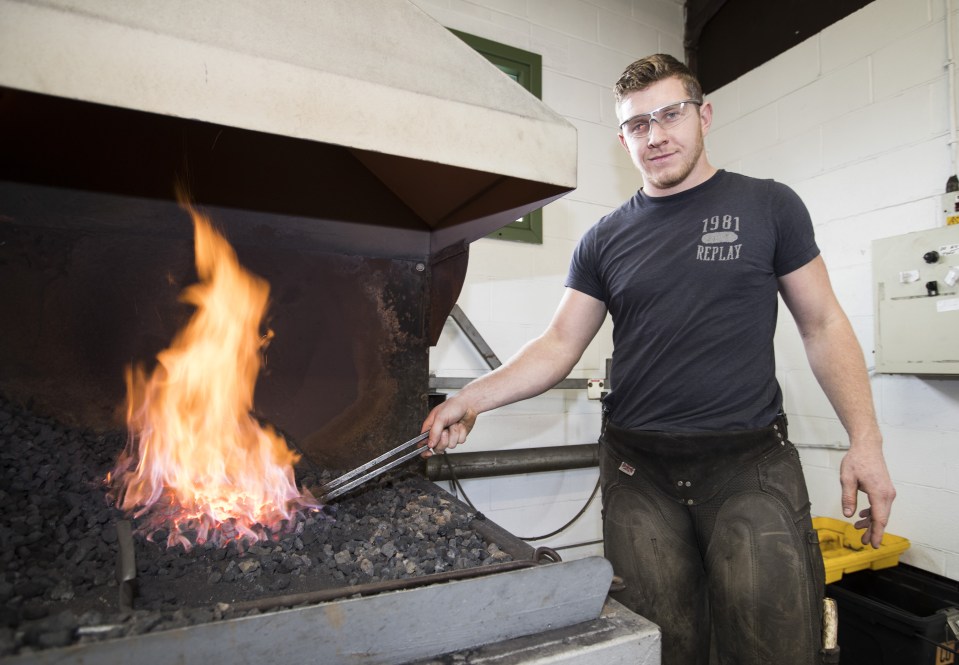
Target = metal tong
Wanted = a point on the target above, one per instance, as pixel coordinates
(351, 479)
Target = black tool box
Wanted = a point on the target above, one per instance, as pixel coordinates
(897, 616)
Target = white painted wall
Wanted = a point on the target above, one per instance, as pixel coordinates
(855, 119)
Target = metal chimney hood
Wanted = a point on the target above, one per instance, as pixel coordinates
(464, 147)
(351, 150)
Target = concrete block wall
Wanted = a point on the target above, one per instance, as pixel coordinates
(512, 288)
(856, 120)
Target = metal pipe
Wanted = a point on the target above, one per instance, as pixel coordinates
(509, 462)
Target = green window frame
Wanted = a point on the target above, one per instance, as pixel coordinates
(526, 68)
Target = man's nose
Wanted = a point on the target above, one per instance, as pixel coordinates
(656, 132)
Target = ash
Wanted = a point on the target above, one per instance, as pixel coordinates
(59, 550)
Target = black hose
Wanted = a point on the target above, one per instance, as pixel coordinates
(456, 484)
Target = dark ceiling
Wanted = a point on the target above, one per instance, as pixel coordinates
(726, 38)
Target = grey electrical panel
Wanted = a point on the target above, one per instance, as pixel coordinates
(917, 302)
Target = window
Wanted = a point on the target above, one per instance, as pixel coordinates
(525, 68)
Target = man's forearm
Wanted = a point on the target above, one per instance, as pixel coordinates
(838, 365)
(536, 368)
(837, 361)
(533, 370)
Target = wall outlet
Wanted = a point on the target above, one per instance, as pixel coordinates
(594, 388)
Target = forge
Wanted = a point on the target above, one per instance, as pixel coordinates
(350, 153)
(81, 580)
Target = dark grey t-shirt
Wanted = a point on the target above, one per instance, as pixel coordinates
(691, 283)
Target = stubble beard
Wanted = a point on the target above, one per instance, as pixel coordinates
(670, 178)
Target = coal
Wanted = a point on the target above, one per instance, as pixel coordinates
(59, 544)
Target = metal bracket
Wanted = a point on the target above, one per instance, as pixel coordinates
(472, 334)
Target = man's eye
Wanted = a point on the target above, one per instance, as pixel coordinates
(639, 126)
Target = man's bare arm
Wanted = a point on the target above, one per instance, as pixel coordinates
(837, 362)
(538, 366)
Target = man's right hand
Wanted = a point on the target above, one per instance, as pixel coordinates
(449, 424)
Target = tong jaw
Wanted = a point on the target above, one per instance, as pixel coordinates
(373, 468)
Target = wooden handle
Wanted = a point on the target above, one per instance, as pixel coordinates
(830, 624)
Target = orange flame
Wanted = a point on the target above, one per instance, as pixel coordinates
(196, 459)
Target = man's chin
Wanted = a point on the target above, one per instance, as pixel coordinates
(664, 181)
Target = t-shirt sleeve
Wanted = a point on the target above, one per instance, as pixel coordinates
(583, 272)
(796, 241)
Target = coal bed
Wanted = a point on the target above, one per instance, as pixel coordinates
(59, 545)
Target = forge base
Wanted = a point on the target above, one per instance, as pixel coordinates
(386, 629)
(617, 636)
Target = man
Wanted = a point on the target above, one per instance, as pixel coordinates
(706, 515)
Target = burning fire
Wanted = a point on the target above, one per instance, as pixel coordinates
(196, 459)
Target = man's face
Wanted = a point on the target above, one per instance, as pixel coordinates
(671, 159)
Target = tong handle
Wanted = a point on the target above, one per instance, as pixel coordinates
(349, 480)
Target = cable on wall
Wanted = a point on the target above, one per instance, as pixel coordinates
(951, 82)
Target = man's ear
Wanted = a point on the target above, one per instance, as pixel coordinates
(706, 116)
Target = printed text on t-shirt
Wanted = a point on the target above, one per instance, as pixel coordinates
(720, 232)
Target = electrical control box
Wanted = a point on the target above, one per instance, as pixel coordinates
(916, 297)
